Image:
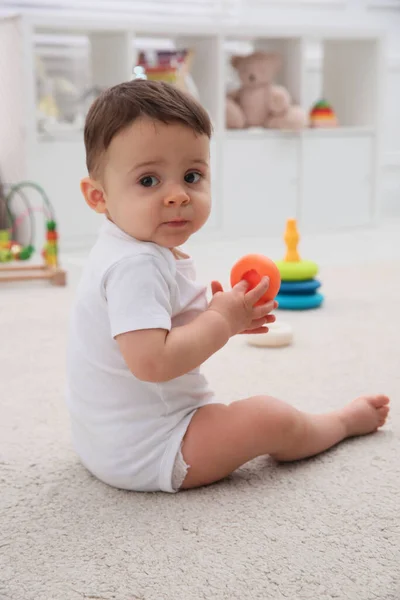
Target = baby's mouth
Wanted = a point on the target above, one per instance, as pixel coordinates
(176, 223)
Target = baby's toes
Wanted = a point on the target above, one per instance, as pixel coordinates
(379, 401)
(382, 414)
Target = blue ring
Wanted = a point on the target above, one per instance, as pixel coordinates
(299, 287)
(301, 302)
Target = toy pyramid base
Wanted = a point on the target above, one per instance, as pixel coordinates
(279, 334)
(299, 302)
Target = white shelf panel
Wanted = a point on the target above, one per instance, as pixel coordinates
(384, 4)
(58, 167)
(260, 177)
(257, 133)
(67, 137)
(249, 32)
(232, 134)
(260, 184)
(52, 23)
(146, 10)
(336, 185)
(338, 132)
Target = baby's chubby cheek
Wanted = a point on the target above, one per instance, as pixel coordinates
(143, 223)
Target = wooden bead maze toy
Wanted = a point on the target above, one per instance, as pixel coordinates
(17, 245)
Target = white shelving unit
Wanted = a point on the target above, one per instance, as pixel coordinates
(328, 179)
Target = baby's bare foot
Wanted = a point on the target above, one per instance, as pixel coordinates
(365, 415)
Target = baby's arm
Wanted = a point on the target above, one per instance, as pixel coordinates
(157, 355)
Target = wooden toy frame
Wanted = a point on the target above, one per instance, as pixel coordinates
(11, 273)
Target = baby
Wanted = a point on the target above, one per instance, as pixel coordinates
(143, 416)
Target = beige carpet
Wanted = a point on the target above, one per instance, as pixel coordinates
(320, 529)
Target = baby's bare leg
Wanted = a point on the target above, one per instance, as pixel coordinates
(221, 438)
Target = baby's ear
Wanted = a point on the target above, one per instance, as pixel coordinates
(235, 61)
(93, 194)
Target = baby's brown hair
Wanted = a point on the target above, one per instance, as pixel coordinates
(120, 105)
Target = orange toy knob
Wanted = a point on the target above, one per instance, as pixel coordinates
(252, 268)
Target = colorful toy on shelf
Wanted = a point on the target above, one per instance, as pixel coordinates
(12, 246)
(298, 290)
(252, 268)
(171, 66)
(322, 115)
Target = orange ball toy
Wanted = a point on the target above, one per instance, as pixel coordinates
(252, 268)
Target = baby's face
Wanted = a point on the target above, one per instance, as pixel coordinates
(157, 182)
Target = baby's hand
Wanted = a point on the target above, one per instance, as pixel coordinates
(237, 307)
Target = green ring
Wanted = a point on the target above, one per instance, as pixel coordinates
(297, 271)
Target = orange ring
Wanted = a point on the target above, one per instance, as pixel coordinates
(252, 268)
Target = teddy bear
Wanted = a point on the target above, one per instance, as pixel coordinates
(259, 102)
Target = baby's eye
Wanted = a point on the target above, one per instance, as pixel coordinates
(192, 177)
(149, 181)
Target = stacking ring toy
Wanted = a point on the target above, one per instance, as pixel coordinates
(252, 268)
(279, 334)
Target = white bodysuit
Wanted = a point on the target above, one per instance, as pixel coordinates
(128, 432)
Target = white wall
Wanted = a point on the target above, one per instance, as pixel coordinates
(12, 107)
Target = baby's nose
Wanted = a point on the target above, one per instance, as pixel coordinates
(176, 198)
